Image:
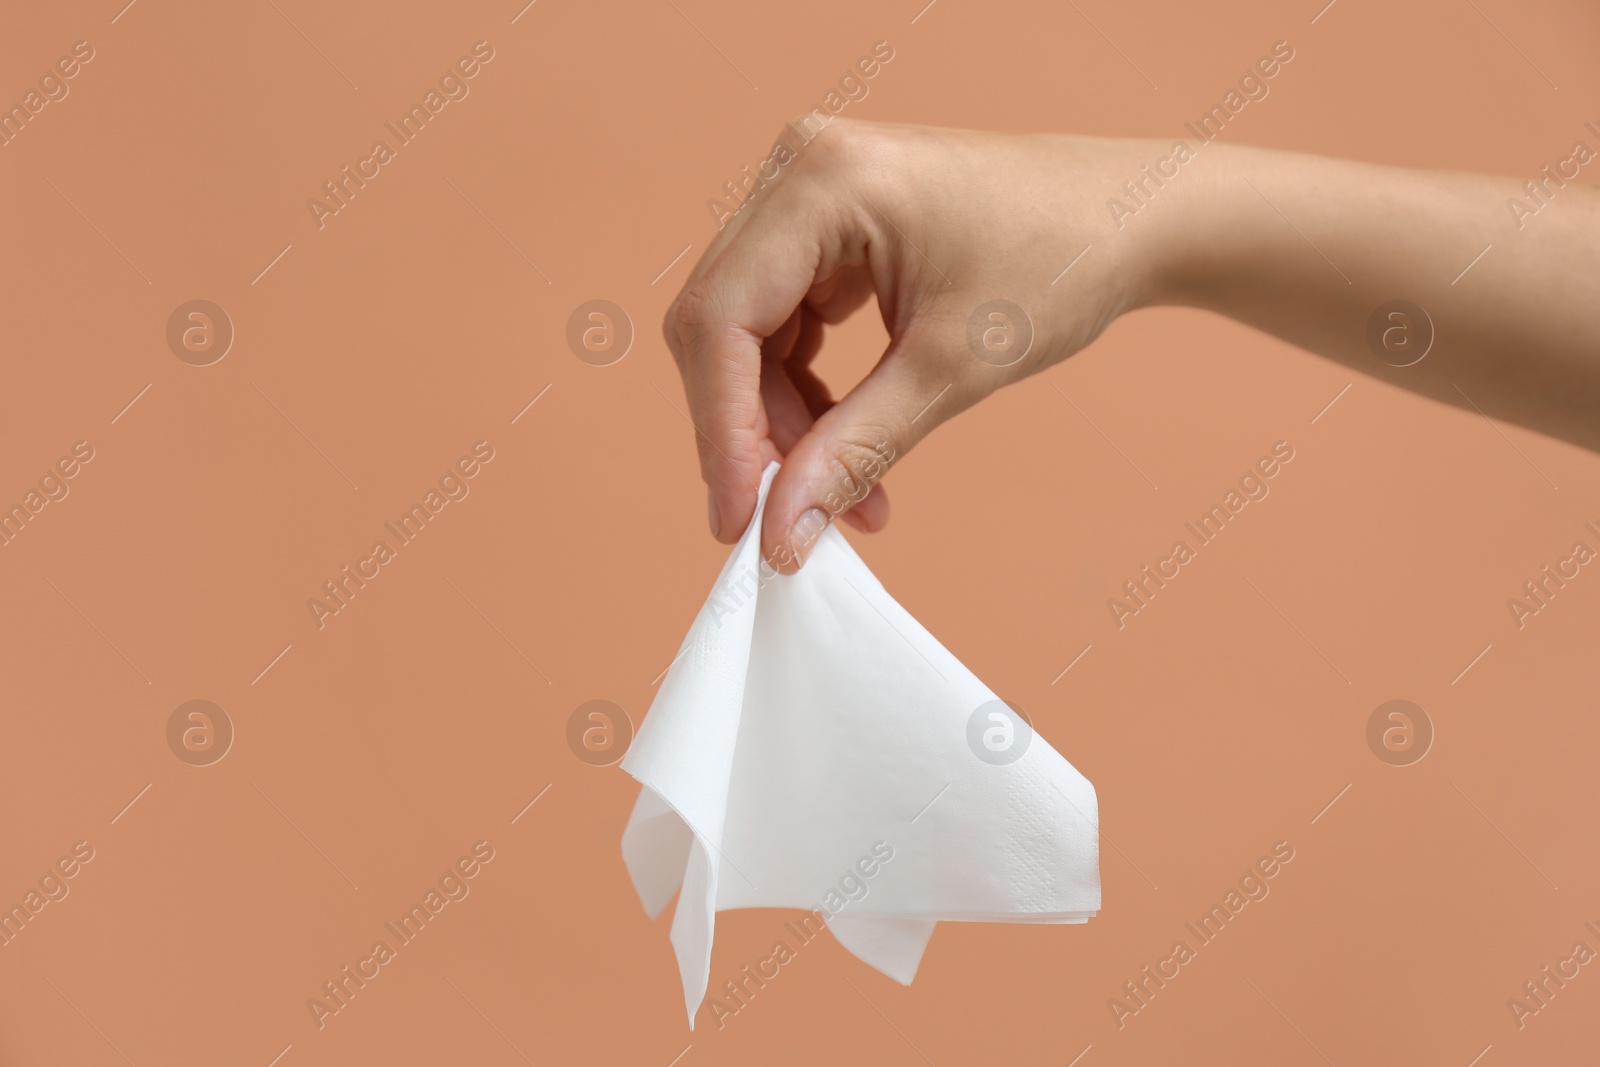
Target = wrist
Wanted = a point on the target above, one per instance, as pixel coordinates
(1195, 245)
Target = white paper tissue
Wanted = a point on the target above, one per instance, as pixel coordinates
(808, 726)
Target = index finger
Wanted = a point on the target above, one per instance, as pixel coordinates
(738, 296)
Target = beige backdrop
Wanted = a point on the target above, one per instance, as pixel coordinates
(374, 347)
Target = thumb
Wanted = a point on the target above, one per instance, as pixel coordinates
(844, 455)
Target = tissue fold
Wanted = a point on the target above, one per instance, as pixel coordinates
(808, 729)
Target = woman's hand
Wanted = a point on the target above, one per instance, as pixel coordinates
(959, 235)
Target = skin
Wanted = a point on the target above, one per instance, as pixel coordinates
(936, 222)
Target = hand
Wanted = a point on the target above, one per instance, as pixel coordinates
(934, 223)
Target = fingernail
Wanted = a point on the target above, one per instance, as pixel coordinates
(805, 531)
(711, 514)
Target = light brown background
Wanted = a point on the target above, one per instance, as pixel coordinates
(409, 727)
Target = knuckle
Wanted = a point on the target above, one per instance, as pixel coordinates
(857, 461)
(821, 141)
(669, 333)
(688, 318)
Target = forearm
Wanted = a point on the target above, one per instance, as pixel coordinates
(1307, 248)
